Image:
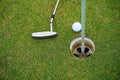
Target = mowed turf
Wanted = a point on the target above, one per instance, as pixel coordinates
(25, 58)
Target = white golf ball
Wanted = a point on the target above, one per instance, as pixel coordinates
(76, 27)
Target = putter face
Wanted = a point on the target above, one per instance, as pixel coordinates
(43, 34)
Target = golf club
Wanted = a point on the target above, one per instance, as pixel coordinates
(47, 33)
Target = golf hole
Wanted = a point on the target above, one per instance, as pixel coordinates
(75, 47)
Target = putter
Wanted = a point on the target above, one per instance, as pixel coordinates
(47, 33)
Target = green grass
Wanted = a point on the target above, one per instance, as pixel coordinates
(25, 58)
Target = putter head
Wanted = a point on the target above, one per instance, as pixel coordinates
(44, 34)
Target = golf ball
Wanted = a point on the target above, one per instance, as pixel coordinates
(76, 27)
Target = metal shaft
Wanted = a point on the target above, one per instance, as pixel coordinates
(53, 15)
(83, 7)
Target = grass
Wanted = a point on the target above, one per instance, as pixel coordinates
(25, 58)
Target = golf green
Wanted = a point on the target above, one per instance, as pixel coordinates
(25, 58)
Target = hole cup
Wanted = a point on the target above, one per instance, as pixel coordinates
(76, 44)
